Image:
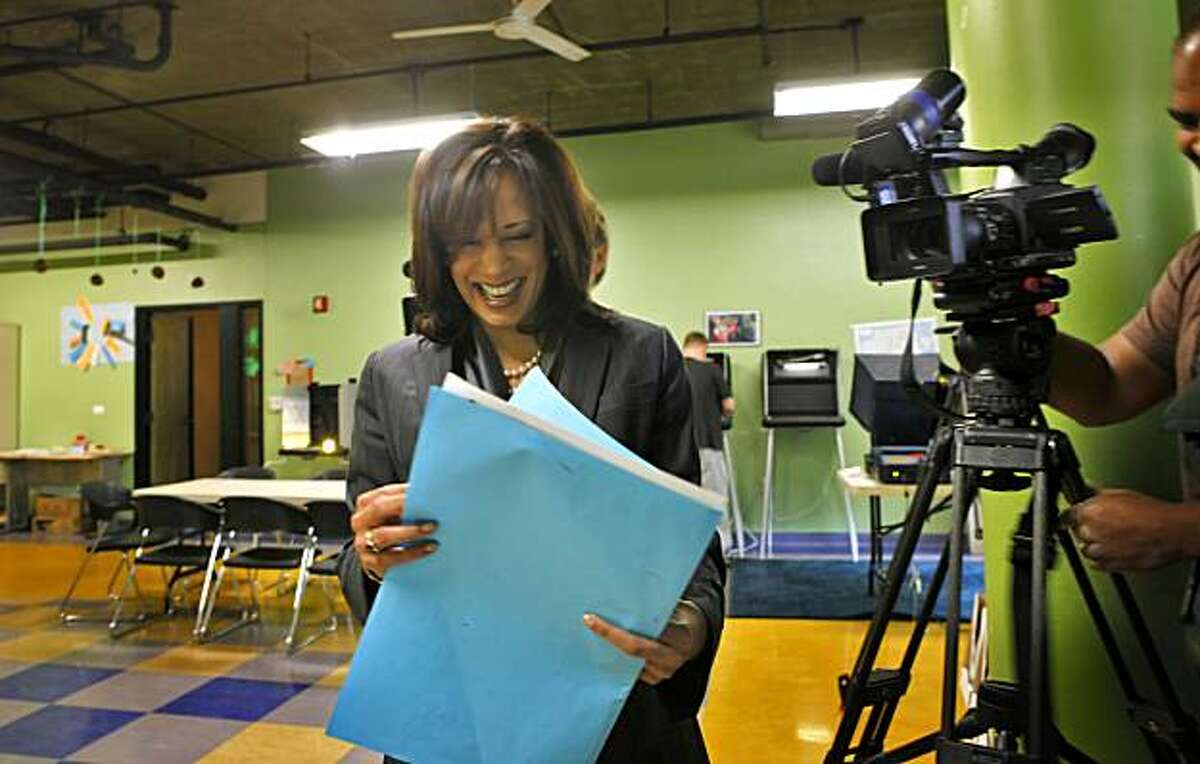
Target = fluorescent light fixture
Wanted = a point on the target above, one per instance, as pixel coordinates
(405, 135)
(793, 99)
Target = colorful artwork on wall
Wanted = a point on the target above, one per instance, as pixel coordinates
(92, 335)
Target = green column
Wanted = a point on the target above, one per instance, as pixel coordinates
(1105, 66)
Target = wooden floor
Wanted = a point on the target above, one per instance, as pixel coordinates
(772, 698)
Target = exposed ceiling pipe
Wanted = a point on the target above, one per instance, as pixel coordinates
(179, 243)
(113, 194)
(94, 26)
(128, 174)
(666, 39)
(621, 127)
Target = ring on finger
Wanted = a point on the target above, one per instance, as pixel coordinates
(371, 543)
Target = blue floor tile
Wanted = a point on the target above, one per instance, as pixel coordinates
(244, 700)
(48, 682)
(58, 731)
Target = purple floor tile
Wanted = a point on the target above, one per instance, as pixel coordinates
(241, 699)
(50, 681)
(135, 691)
(304, 668)
(162, 739)
(57, 731)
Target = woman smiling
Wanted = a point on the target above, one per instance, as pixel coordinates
(502, 262)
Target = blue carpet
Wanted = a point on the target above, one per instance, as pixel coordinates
(829, 589)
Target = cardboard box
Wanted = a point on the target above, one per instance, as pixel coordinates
(58, 514)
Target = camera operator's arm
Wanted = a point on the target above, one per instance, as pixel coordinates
(1111, 383)
(1136, 367)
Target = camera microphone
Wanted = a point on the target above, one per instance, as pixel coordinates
(1071, 145)
(831, 170)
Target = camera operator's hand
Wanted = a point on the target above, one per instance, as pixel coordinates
(1121, 530)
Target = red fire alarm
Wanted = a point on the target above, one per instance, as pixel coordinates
(321, 303)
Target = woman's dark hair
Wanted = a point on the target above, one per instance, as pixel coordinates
(451, 193)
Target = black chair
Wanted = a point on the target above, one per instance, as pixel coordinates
(251, 517)
(103, 501)
(187, 524)
(333, 473)
(248, 472)
(331, 522)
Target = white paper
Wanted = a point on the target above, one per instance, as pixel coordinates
(889, 337)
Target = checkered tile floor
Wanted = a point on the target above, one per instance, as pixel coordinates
(70, 693)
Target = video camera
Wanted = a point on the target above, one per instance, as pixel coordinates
(987, 242)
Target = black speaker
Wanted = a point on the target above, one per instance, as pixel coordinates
(880, 404)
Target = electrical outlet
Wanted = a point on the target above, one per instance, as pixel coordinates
(99, 409)
(275, 404)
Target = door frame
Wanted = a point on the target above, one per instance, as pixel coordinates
(232, 352)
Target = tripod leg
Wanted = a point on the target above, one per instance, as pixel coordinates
(918, 634)
(962, 481)
(854, 694)
(1183, 742)
(1036, 695)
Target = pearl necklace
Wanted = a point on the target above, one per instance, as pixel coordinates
(514, 374)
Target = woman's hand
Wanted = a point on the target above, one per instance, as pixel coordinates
(683, 639)
(377, 527)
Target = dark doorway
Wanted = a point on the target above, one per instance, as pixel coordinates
(198, 391)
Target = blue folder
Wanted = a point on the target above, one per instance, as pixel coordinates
(479, 653)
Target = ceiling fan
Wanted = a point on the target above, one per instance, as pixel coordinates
(517, 25)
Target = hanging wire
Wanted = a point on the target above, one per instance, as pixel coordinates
(78, 212)
(99, 207)
(42, 219)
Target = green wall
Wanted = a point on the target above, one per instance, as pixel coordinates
(56, 400)
(1104, 65)
(700, 218)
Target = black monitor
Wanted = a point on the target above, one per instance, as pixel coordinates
(881, 405)
(800, 388)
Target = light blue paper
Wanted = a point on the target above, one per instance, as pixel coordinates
(478, 653)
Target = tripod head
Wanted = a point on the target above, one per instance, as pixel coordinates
(1003, 342)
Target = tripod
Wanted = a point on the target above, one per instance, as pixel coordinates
(1003, 441)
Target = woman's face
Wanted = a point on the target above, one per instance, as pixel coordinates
(501, 270)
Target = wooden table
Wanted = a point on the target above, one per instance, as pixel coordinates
(22, 470)
(213, 489)
(857, 482)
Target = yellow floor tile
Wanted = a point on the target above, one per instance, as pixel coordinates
(204, 660)
(279, 742)
(773, 694)
(33, 617)
(335, 678)
(41, 646)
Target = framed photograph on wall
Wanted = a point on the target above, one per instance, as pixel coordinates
(733, 328)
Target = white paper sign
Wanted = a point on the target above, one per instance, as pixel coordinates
(889, 337)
